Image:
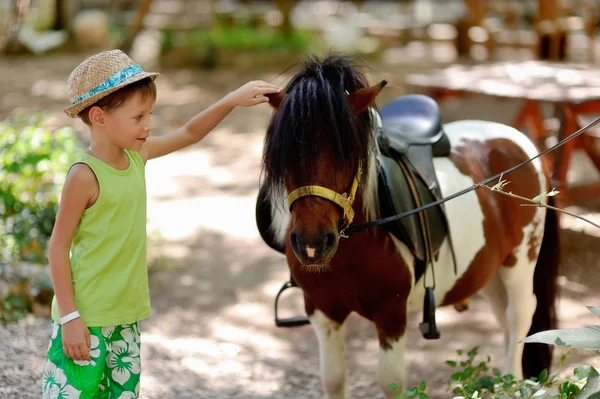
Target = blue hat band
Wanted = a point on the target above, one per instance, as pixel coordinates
(111, 82)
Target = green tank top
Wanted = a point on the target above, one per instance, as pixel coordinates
(108, 252)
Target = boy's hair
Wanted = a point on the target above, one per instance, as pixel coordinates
(145, 88)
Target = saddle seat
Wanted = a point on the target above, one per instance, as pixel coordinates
(413, 120)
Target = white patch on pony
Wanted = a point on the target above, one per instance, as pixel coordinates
(280, 221)
(310, 252)
(465, 218)
(391, 368)
(331, 353)
(518, 284)
(370, 194)
(485, 130)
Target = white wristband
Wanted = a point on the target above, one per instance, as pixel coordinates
(69, 317)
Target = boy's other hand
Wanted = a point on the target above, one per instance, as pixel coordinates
(76, 340)
(252, 93)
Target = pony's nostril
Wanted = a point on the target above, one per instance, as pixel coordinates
(293, 238)
(330, 240)
(294, 241)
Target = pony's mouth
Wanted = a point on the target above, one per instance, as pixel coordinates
(316, 267)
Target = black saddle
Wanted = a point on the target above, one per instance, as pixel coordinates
(410, 137)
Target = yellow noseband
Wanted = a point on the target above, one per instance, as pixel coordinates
(344, 201)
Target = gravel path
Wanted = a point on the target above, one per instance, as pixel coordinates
(212, 333)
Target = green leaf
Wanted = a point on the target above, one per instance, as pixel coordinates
(595, 310)
(543, 376)
(583, 338)
(592, 386)
(422, 386)
(412, 393)
(497, 372)
(538, 198)
(395, 387)
(451, 363)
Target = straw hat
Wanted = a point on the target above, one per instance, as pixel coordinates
(100, 75)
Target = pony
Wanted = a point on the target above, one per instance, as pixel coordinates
(327, 165)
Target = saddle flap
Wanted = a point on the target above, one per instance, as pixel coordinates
(395, 197)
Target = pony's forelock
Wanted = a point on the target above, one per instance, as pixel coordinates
(315, 103)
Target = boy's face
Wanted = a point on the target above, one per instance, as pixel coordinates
(130, 124)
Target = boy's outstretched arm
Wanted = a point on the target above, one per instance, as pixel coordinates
(250, 94)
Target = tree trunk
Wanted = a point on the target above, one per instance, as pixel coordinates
(14, 24)
(285, 7)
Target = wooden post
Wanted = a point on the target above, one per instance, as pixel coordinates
(135, 25)
(552, 37)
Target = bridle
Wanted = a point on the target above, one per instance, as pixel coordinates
(343, 200)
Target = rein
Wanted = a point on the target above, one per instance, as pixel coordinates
(380, 222)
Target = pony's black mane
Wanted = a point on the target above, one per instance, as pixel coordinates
(316, 104)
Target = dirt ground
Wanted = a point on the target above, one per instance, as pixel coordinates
(214, 281)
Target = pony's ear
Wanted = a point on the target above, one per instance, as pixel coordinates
(361, 99)
(275, 99)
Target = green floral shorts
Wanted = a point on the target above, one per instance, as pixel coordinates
(113, 372)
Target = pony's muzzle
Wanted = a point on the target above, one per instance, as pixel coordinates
(313, 248)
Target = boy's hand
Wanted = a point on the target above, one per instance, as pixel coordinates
(252, 93)
(76, 340)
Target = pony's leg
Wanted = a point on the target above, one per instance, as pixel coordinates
(330, 335)
(391, 329)
(518, 283)
(391, 366)
(495, 293)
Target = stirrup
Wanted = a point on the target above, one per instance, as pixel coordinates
(429, 327)
(296, 321)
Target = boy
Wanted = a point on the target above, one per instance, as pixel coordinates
(97, 251)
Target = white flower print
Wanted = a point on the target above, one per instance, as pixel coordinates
(128, 395)
(131, 334)
(94, 353)
(123, 360)
(107, 332)
(54, 384)
(55, 327)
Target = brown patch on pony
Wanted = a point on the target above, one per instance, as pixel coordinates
(510, 260)
(535, 241)
(375, 288)
(504, 218)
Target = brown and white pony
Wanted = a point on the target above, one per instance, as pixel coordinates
(320, 131)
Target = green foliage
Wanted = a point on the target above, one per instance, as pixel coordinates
(237, 38)
(33, 165)
(476, 379)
